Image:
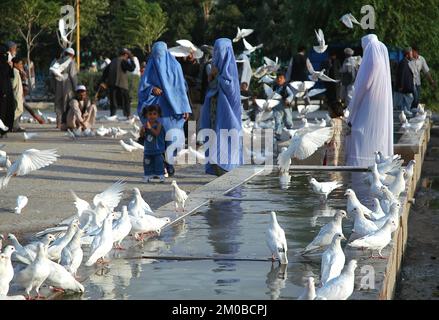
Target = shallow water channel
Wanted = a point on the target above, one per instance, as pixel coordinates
(220, 252)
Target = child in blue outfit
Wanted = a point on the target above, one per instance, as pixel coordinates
(153, 162)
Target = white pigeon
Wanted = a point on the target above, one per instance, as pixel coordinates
(362, 226)
(147, 224)
(267, 79)
(402, 117)
(138, 206)
(303, 145)
(20, 253)
(333, 259)
(398, 185)
(272, 65)
(29, 161)
(301, 87)
(55, 250)
(316, 75)
(71, 134)
(388, 198)
(341, 287)
(409, 170)
(306, 109)
(415, 126)
(349, 20)
(392, 215)
(321, 48)
(242, 33)
(249, 48)
(51, 120)
(35, 273)
(324, 188)
(197, 53)
(353, 202)
(420, 117)
(3, 126)
(101, 131)
(21, 203)
(388, 165)
(6, 269)
(111, 118)
(314, 92)
(179, 195)
(377, 212)
(375, 187)
(276, 240)
(4, 160)
(326, 233)
(62, 279)
(72, 254)
(29, 135)
(309, 292)
(102, 242)
(63, 34)
(135, 144)
(31, 248)
(267, 105)
(121, 228)
(127, 147)
(109, 198)
(377, 240)
(270, 93)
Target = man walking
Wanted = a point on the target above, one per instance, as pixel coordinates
(419, 65)
(118, 82)
(405, 82)
(348, 74)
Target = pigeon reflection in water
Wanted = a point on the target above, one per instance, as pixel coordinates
(224, 219)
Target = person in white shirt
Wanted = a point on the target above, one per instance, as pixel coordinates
(418, 65)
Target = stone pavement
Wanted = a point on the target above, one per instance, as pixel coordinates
(87, 166)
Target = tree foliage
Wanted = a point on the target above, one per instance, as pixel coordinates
(140, 23)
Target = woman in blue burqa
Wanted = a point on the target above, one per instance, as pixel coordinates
(222, 112)
(163, 84)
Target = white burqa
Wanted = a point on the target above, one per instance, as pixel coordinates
(371, 107)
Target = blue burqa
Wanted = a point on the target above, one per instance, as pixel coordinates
(225, 88)
(164, 72)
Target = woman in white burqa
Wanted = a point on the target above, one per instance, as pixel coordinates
(371, 108)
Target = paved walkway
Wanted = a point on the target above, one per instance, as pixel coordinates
(88, 166)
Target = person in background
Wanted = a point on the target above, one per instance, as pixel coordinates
(332, 66)
(94, 67)
(348, 74)
(405, 84)
(154, 144)
(29, 68)
(142, 68)
(65, 86)
(12, 51)
(17, 87)
(335, 154)
(299, 67)
(6, 93)
(248, 101)
(371, 109)
(283, 114)
(81, 112)
(118, 82)
(419, 65)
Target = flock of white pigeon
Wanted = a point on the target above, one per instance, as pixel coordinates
(55, 259)
(372, 228)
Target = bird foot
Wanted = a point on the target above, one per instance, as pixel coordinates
(57, 289)
(119, 247)
(39, 297)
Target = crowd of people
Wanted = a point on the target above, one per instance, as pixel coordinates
(167, 97)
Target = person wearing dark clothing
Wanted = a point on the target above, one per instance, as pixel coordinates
(332, 66)
(117, 80)
(283, 113)
(7, 102)
(299, 67)
(405, 82)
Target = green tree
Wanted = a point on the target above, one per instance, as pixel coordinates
(140, 23)
(29, 19)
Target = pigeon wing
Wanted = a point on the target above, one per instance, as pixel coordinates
(111, 196)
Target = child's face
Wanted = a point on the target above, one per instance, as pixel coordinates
(152, 115)
(280, 80)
